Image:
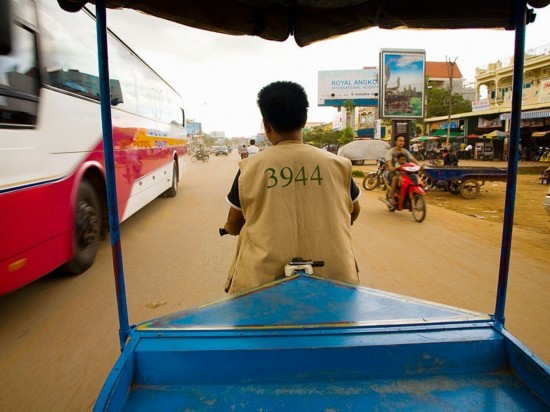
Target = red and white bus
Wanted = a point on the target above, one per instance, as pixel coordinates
(52, 177)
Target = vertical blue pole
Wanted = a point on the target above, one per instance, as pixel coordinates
(520, 17)
(114, 225)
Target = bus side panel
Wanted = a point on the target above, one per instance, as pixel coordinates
(36, 233)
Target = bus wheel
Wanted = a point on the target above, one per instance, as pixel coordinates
(173, 191)
(87, 230)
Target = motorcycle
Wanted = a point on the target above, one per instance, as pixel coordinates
(200, 156)
(451, 186)
(410, 195)
(374, 179)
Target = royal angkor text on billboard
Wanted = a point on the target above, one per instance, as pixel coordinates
(337, 86)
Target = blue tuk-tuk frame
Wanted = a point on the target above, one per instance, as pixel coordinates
(287, 356)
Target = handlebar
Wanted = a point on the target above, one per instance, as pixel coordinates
(299, 261)
(296, 261)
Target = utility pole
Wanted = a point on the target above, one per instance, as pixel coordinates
(450, 69)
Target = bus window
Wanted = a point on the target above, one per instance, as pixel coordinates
(122, 68)
(19, 80)
(69, 49)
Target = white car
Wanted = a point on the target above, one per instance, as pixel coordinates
(547, 202)
(360, 150)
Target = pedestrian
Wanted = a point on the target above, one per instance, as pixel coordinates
(252, 149)
(462, 155)
(290, 200)
(454, 147)
(468, 150)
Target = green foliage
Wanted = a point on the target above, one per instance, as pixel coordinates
(321, 138)
(347, 136)
(357, 173)
(208, 140)
(438, 103)
(348, 104)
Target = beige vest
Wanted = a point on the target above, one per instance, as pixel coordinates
(296, 203)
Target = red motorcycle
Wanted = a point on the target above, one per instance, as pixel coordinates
(410, 195)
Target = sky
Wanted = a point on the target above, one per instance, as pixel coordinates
(219, 76)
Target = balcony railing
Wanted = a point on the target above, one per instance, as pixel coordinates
(508, 61)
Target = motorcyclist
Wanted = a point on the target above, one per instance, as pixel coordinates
(201, 152)
(243, 151)
(392, 164)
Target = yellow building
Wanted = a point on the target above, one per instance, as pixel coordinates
(492, 106)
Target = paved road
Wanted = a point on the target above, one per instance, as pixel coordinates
(59, 338)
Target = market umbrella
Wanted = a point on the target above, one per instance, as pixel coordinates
(496, 134)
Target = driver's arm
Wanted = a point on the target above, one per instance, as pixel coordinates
(235, 221)
(356, 210)
(389, 163)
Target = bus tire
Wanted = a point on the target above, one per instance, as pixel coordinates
(87, 230)
(173, 190)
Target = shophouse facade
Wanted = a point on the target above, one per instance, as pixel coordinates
(492, 106)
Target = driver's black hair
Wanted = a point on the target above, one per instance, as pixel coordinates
(284, 105)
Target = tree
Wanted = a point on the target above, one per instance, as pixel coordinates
(321, 138)
(208, 140)
(347, 136)
(350, 113)
(438, 103)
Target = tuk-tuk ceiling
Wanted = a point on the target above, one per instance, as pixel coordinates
(313, 20)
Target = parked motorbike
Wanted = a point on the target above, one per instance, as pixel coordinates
(410, 195)
(374, 179)
(200, 156)
(451, 186)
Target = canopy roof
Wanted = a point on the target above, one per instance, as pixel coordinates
(496, 134)
(313, 20)
(443, 132)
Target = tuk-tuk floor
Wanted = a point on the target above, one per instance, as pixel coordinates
(499, 391)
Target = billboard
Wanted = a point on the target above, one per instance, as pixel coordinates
(337, 86)
(402, 83)
(193, 128)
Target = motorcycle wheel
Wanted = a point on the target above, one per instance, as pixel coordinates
(371, 181)
(206, 158)
(453, 186)
(418, 207)
(469, 189)
(194, 159)
(428, 183)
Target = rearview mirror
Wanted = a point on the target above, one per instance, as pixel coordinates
(5, 27)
